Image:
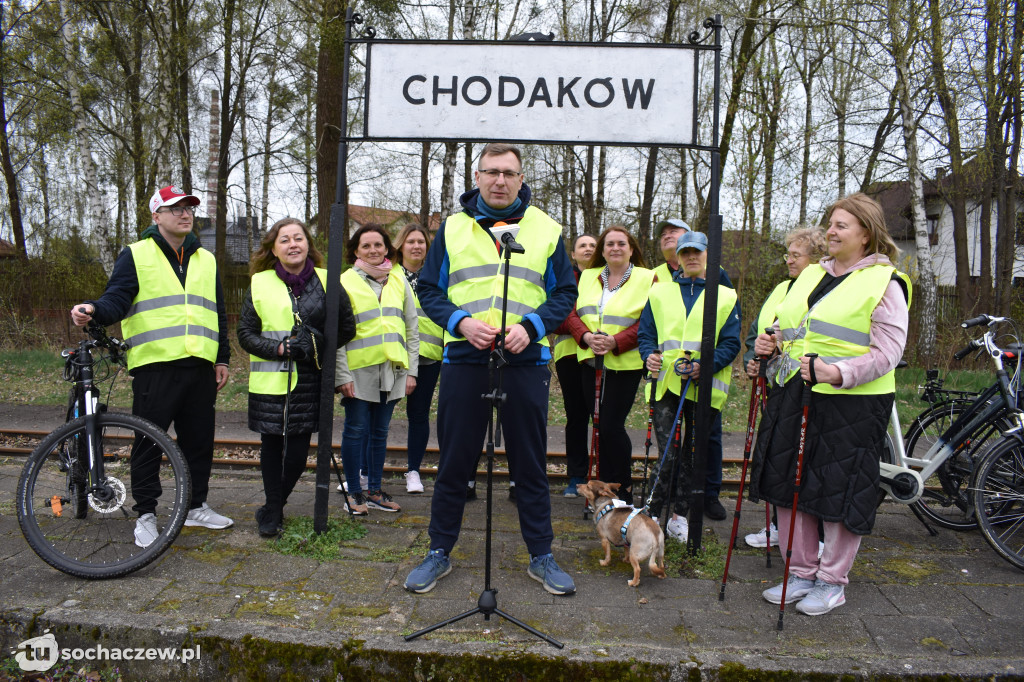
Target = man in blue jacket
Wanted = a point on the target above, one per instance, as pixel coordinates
(689, 278)
(460, 289)
(166, 292)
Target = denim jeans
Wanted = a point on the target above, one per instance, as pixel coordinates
(366, 424)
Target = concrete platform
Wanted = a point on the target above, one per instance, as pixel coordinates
(917, 607)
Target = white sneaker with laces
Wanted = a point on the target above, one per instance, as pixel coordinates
(205, 517)
(822, 599)
(758, 540)
(796, 589)
(678, 528)
(145, 530)
(413, 484)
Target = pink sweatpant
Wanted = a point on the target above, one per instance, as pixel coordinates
(840, 548)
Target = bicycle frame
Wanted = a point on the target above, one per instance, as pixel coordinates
(906, 484)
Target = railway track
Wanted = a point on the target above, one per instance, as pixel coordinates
(243, 453)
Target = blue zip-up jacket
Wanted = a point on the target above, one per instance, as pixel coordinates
(123, 287)
(433, 294)
(728, 343)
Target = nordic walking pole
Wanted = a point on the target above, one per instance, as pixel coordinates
(595, 446)
(650, 423)
(755, 398)
(762, 376)
(677, 427)
(806, 404)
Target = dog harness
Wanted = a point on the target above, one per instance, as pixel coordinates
(625, 526)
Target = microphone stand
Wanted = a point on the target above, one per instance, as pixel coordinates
(487, 604)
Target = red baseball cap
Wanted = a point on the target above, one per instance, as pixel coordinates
(168, 196)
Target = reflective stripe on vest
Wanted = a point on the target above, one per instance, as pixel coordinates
(837, 329)
(380, 325)
(476, 269)
(562, 345)
(679, 331)
(167, 321)
(620, 312)
(275, 307)
(431, 335)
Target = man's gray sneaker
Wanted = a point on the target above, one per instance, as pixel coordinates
(205, 517)
(797, 589)
(145, 530)
(544, 570)
(423, 578)
(822, 599)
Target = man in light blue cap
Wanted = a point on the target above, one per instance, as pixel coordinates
(668, 232)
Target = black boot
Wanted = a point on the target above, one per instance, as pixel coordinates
(268, 518)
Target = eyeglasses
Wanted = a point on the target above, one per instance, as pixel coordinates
(793, 256)
(176, 211)
(493, 174)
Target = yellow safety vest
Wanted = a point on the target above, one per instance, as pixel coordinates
(380, 325)
(622, 310)
(680, 331)
(476, 269)
(837, 328)
(274, 305)
(562, 345)
(766, 318)
(431, 335)
(167, 321)
(663, 273)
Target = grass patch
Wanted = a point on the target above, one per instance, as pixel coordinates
(299, 539)
(707, 563)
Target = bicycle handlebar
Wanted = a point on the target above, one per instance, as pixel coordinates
(967, 350)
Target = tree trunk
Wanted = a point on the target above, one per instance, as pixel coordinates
(925, 293)
(644, 233)
(773, 92)
(99, 229)
(587, 200)
(179, 40)
(329, 98)
(10, 176)
(448, 178)
(226, 126)
(425, 185)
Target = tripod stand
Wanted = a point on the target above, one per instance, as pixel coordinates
(487, 604)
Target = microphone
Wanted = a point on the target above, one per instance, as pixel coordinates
(511, 244)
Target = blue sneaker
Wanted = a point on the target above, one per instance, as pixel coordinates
(423, 578)
(544, 570)
(570, 490)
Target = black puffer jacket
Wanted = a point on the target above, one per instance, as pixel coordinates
(266, 411)
(844, 442)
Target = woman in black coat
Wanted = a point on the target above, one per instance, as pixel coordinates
(281, 326)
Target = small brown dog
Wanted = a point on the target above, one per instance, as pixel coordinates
(644, 538)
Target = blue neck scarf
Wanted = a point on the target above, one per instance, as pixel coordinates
(485, 211)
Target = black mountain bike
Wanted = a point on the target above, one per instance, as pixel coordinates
(76, 489)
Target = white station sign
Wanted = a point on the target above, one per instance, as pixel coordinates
(531, 92)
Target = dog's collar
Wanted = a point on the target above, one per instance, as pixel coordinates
(611, 506)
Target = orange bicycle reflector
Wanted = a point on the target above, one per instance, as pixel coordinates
(55, 505)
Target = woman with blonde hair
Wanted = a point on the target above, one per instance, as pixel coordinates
(281, 325)
(841, 330)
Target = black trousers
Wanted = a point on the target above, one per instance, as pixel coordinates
(579, 403)
(615, 450)
(184, 396)
(281, 470)
(461, 433)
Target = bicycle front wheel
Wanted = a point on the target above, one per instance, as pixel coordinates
(999, 499)
(86, 528)
(946, 500)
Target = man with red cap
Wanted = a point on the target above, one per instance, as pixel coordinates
(166, 292)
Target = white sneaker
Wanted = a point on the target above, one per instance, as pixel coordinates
(758, 540)
(145, 530)
(796, 589)
(822, 599)
(207, 518)
(413, 484)
(678, 528)
(364, 483)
